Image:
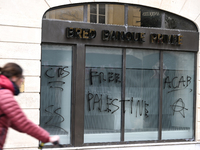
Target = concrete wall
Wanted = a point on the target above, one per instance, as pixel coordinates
(20, 38)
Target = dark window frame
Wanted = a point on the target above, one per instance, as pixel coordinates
(50, 36)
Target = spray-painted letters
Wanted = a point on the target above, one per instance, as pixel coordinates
(177, 83)
(105, 103)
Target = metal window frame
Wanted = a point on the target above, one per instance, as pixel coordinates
(52, 33)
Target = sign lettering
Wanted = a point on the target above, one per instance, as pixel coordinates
(107, 35)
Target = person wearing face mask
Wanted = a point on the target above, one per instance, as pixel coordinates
(11, 115)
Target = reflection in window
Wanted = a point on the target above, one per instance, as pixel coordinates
(97, 13)
(69, 13)
(106, 14)
(103, 76)
(134, 16)
(114, 14)
(56, 77)
(144, 17)
(151, 17)
(176, 22)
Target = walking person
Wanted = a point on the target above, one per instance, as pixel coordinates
(11, 115)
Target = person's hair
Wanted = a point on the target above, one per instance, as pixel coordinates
(11, 69)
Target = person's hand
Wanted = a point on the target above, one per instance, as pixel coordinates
(54, 139)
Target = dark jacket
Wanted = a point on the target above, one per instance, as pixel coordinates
(11, 115)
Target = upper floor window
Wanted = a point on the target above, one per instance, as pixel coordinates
(106, 14)
(120, 14)
(97, 13)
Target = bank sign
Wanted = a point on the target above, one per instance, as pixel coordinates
(81, 33)
(110, 35)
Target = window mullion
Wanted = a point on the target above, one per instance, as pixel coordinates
(123, 93)
(79, 98)
(85, 13)
(126, 15)
(97, 13)
(161, 96)
(106, 14)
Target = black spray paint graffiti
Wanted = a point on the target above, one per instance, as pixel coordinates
(57, 72)
(97, 100)
(179, 106)
(55, 75)
(47, 123)
(177, 83)
(140, 105)
(61, 72)
(111, 104)
(111, 77)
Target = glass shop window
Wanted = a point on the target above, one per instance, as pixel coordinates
(142, 95)
(178, 95)
(103, 81)
(103, 90)
(56, 75)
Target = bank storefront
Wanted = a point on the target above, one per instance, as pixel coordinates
(114, 73)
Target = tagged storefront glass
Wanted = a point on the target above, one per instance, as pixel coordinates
(56, 75)
(103, 78)
(178, 95)
(142, 95)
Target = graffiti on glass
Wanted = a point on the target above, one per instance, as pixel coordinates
(105, 103)
(179, 106)
(177, 83)
(111, 77)
(56, 72)
(50, 122)
(55, 80)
